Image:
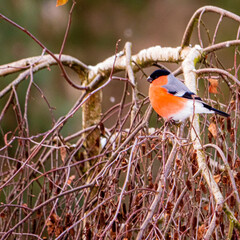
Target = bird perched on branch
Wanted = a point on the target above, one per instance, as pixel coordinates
(172, 100)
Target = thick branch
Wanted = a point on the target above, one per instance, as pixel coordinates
(130, 73)
(144, 58)
(24, 64)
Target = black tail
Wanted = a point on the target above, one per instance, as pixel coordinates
(216, 111)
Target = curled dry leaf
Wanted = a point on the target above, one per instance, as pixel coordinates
(213, 85)
(61, 2)
(206, 207)
(213, 129)
(217, 178)
(232, 136)
(189, 185)
(53, 226)
(201, 231)
(203, 187)
(198, 195)
(63, 153)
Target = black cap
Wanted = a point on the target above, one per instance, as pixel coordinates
(158, 73)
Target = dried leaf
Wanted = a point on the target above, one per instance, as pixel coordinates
(213, 129)
(229, 124)
(61, 2)
(217, 178)
(193, 157)
(151, 185)
(138, 198)
(189, 185)
(201, 231)
(68, 223)
(169, 207)
(124, 162)
(58, 231)
(203, 187)
(178, 162)
(54, 218)
(205, 207)
(222, 121)
(71, 178)
(63, 153)
(52, 224)
(50, 227)
(232, 136)
(198, 195)
(213, 85)
(210, 137)
(237, 163)
(224, 179)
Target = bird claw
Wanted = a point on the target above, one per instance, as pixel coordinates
(171, 121)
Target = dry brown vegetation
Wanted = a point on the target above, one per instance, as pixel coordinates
(129, 180)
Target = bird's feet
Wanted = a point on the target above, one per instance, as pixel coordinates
(170, 121)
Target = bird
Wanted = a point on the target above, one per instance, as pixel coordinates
(172, 99)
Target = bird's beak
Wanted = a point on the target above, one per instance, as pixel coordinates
(149, 79)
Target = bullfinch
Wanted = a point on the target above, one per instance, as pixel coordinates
(172, 100)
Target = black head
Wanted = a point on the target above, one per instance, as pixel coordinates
(158, 73)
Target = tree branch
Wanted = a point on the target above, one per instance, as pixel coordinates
(194, 20)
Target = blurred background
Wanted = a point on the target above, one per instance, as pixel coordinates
(96, 27)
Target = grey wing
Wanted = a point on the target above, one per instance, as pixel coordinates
(177, 88)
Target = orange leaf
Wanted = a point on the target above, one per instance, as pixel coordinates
(50, 227)
(71, 178)
(205, 207)
(61, 2)
(63, 153)
(201, 231)
(53, 225)
(217, 178)
(213, 129)
(213, 85)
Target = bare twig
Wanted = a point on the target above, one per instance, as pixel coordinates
(194, 19)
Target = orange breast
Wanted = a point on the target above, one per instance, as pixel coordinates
(163, 103)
